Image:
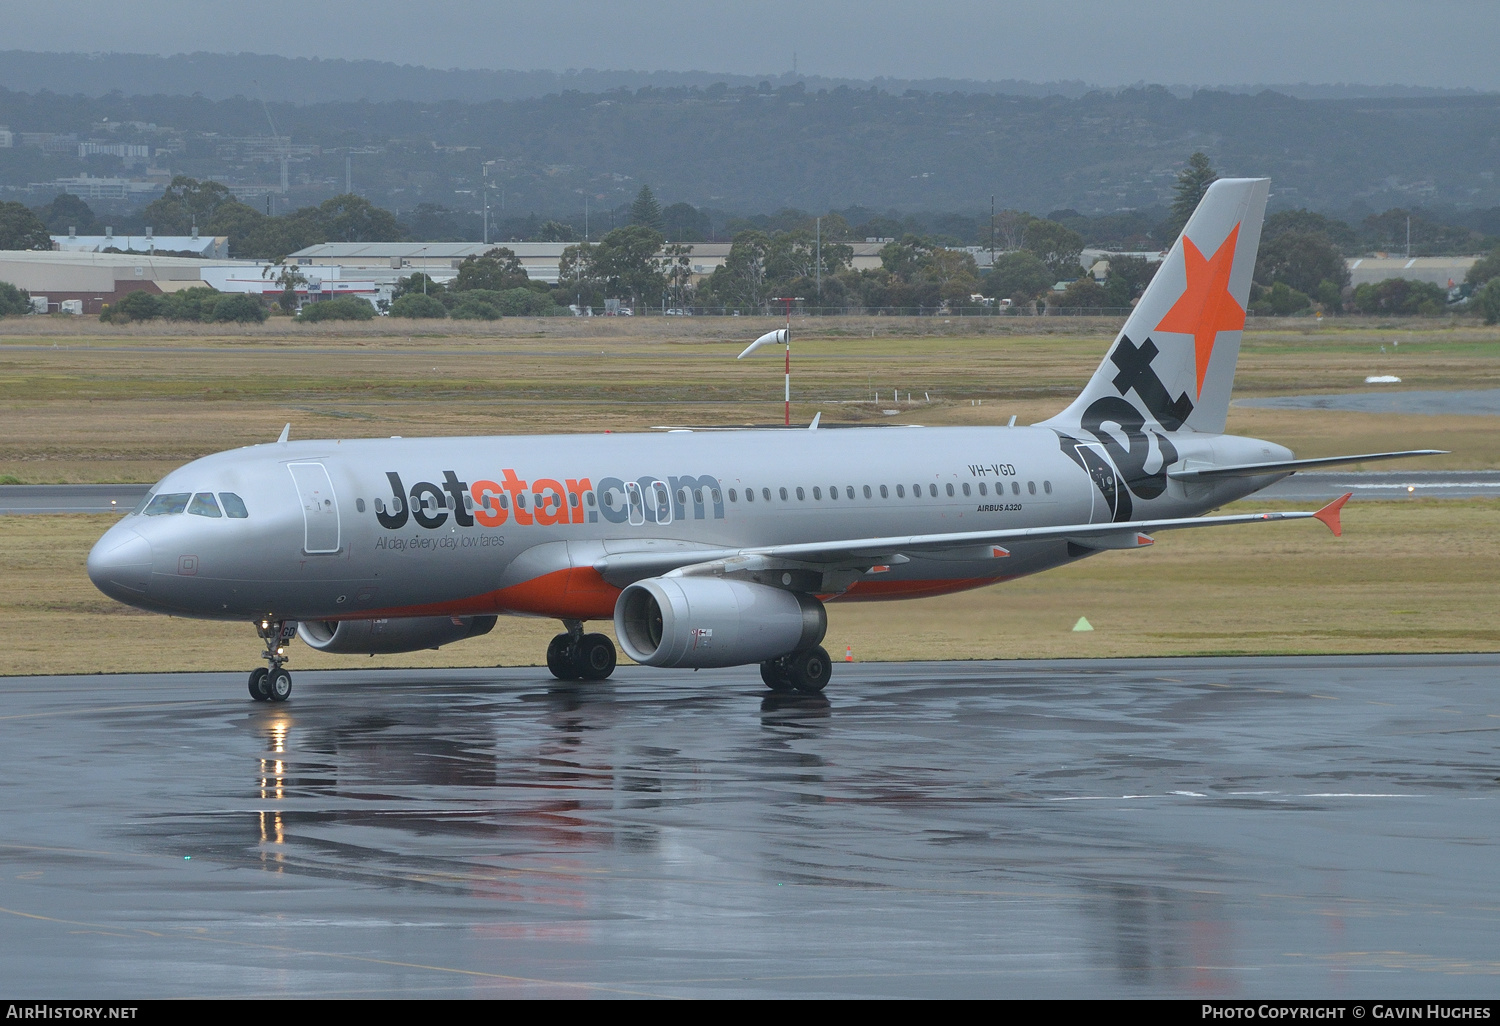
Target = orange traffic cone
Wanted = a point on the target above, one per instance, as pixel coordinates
(848, 654)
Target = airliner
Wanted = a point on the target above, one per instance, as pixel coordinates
(712, 549)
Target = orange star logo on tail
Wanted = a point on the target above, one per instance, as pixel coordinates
(1205, 307)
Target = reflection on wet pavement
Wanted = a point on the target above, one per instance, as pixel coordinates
(1143, 827)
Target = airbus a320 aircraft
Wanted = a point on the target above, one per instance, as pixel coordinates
(714, 549)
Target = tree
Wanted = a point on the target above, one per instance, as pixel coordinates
(416, 305)
(1488, 300)
(68, 211)
(1018, 276)
(1055, 245)
(1127, 279)
(1338, 233)
(351, 218)
(497, 270)
(21, 229)
(185, 203)
(417, 283)
(13, 301)
(740, 282)
(645, 212)
(1010, 229)
(1085, 293)
(625, 263)
(556, 231)
(290, 278)
(1192, 182)
(1303, 260)
(1484, 270)
(683, 222)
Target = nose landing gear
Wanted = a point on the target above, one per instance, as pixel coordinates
(271, 683)
(579, 656)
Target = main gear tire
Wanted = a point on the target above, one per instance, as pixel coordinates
(810, 670)
(774, 672)
(595, 658)
(559, 658)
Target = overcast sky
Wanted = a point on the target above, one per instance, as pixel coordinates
(1193, 42)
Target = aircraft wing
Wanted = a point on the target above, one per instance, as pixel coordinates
(864, 553)
(1292, 466)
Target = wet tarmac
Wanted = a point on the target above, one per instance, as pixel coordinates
(1479, 402)
(1282, 827)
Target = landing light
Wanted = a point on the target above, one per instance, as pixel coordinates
(1410, 489)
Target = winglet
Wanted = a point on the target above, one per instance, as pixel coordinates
(286, 433)
(1329, 514)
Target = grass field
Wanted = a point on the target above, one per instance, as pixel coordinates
(82, 402)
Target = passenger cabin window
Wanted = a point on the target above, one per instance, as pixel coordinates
(732, 496)
(950, 490)
(982, 489)
(867, 491)
(932, 490)
(783, 495)
(588, 497)
(849, 492)
(1031, 487)
(203, 505)
(817, 492)
(885, 493)
(1047, 487)
(749, 494)
(900, 491)
(359, 505)
(801, 495)
(1015, 488)
(966, 488)
(234, 506)
(167, 503)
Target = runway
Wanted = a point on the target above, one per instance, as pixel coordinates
(1270, 827)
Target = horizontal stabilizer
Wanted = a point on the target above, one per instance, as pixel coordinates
(1292, 466)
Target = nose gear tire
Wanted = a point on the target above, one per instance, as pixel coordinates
(258, 689)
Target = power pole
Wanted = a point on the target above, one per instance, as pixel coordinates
(819, 230)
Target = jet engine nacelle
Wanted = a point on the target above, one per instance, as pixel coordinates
(710, 621)
(404, 634)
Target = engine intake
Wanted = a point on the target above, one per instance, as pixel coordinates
(710, 621)
(404, 634)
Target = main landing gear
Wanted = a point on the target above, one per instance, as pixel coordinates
(579, 656)
(271, 683)
(807, 671)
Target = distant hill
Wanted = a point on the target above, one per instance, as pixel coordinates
(758, 148)
(218, 76)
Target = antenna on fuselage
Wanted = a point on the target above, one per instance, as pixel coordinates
(286, 433)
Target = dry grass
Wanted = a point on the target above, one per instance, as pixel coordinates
(1415, 576)
(81, 401)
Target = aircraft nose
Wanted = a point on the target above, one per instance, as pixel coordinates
(120, 564)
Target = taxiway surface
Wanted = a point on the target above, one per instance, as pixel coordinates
(1164, 827)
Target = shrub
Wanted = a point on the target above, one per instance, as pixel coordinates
(238, 307)
(418, 305)
(13, 300)
(136, 306)
(473, 309)
(344, 308)
(1400, 296)
(195, 304)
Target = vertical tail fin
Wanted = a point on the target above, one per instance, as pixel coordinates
(1174, 360)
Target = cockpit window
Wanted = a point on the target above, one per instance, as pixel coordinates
(203, 505)
(167, 503)
(141, 506)
(233, 505)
